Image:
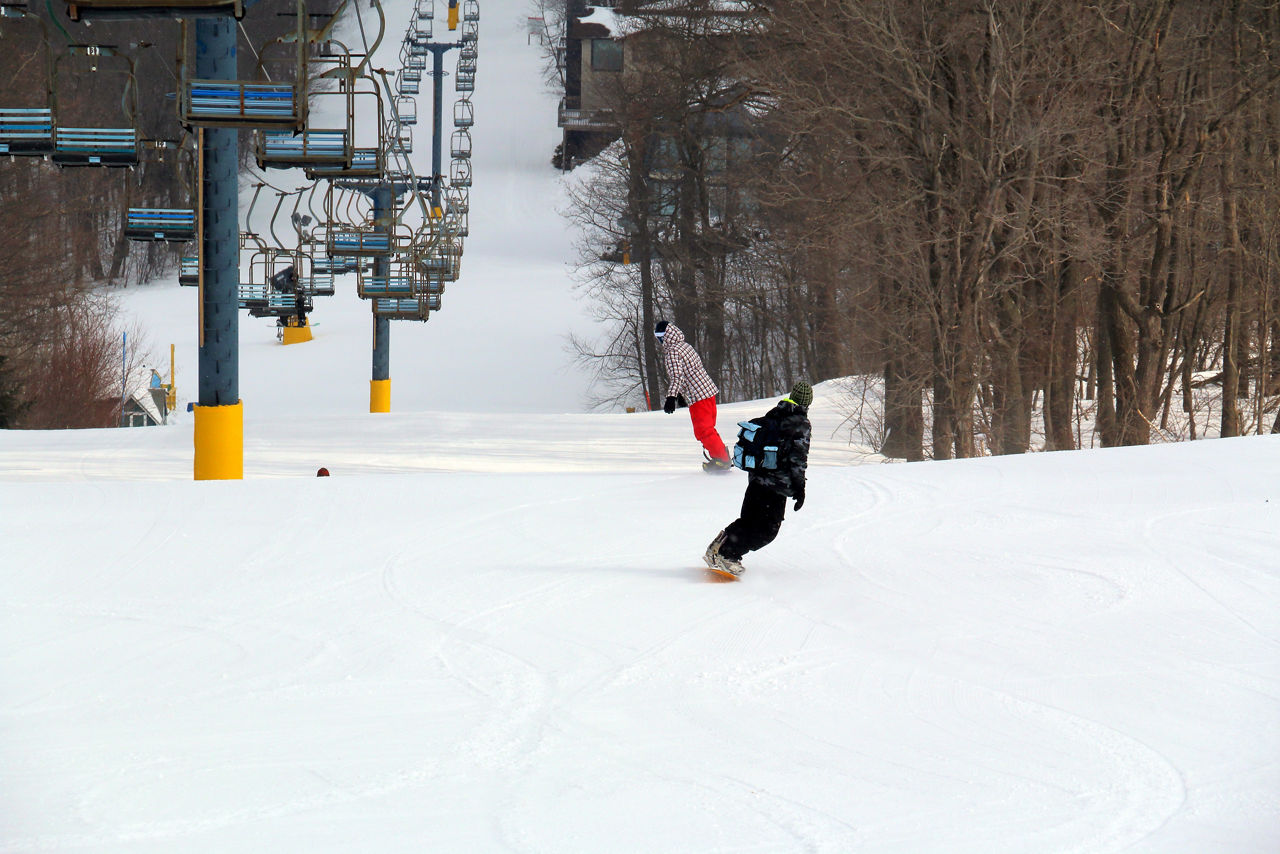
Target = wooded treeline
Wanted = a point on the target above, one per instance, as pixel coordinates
(62, 229)
(1003, 208)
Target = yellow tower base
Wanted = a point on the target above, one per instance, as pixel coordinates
(297, 334)
(219, 435)
(380, 395)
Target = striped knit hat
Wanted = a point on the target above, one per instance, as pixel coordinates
(801, 393)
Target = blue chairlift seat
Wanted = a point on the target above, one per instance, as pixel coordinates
(237, 103)
(160, 225)
(285, 150)
(406, 309)
(319, 284)
(365, 163)
(358, 241)
(385, 286)
(465, 81)
(253, 295)
(189, 271)
(95, 146)
(334, 264)
(26, 131)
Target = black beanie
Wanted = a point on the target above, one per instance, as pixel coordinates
(660, 328)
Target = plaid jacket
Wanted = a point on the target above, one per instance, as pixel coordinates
(685, 373)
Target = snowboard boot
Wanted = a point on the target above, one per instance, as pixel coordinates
(713, 465)
(714, 549)
(729, 565)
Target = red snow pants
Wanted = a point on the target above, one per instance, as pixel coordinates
(703, 415)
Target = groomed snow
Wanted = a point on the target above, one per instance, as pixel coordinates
(488, 630)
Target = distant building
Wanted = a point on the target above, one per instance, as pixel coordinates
(592, 54)
(610, 39)
(147, 408)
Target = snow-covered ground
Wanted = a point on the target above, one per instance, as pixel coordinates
(489, 629)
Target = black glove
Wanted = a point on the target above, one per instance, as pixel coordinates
(670, 406)
(799, 498)
(681, 402)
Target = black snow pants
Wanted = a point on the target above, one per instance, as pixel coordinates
(758, 524)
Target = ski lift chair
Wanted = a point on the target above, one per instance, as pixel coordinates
(465, 81)
(277, 98)
(189, 271)
(26, 130)
(308, 149)
(412, 47)
(425, 10)
(406, 309)
(419, 31)
(365, 163)
(160, 225)
(406, 110)
(460, 173)
(399, 280)
(470, 32)
(358, 241)
(404, 139)
(443, 261)
(460, 144)
(464, 114)
(275, 282)
(408, 81)
(330, 146)
(94, 145)
(470, 10)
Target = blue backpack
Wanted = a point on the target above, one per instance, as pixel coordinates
(759, 444)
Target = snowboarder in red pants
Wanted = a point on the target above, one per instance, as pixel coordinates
(688, 379)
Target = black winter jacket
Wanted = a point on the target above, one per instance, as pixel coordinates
(793, 425)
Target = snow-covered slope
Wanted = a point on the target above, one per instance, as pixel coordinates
(493, 634)
(489, 630)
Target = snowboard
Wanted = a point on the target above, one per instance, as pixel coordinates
(719, 576)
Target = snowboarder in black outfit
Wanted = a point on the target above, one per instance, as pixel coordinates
(765, 501)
